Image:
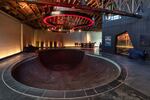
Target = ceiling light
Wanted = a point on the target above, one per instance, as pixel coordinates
(60, 30)
(55, 12)
(67, 20)
(48, 30)
(71, 30)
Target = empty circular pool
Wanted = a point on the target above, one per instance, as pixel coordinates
(67, 70)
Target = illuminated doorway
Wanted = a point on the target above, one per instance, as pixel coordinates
(123, 43)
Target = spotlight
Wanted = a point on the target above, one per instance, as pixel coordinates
(48, 30)
(71, 30)
(60, 30)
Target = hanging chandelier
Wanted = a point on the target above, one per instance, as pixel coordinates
(67, 21)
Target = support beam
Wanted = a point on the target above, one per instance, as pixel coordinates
(21, 38)
(85, 8)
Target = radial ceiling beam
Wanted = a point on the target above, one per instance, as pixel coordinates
(85, 8)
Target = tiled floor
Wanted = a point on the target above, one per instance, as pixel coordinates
(135, 87)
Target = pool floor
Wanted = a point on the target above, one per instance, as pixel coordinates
(91, 72)
(135, 87)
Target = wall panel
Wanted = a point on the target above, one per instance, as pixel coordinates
(10, 36)
(28, 35)
(68, 39)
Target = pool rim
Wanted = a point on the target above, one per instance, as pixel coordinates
(11, 79)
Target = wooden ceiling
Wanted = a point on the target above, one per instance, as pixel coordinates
(32, 13)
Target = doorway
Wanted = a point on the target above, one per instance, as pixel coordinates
(123, 43)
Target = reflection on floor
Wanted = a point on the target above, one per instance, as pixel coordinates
(135, 87)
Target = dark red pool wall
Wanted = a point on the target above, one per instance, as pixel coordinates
(60, 57)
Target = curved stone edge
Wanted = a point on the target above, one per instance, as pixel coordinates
(20, 88)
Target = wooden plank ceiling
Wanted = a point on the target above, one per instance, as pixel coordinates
(32, 13)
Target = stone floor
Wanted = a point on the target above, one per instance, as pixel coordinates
(135, 87)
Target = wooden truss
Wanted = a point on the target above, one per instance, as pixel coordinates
(31, 12)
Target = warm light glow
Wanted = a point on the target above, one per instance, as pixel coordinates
(124, 41)
(69, 44)
(44, 43)
(59, 30)
(48, 30)
(56, 12)
(88, 37)
(124, 37)
(23, 5)
(80, 30)
(71, 30)
(10, 52)
(125, 46)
